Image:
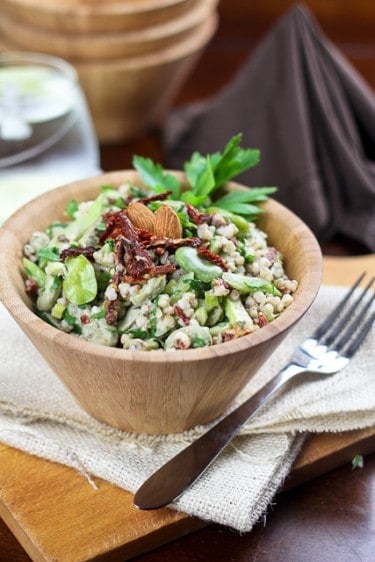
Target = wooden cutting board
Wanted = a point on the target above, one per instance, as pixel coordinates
(57, 516)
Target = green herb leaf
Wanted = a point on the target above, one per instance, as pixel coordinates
(49, 254)
(205, 174)
(251, 195)
(357, 462)
(154, 176)
(138, 333)
(137, 192)
(71, 208)
(196, 341)
(195, 200)
(69, 318)
(199, 287)
(107, 187)
(234, 160)
(153, 317)
(56, 283)
(200, 175)
(100, 314)
(244, 209)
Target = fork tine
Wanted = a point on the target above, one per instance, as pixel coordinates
(349, 349)
(327, 323)
(341, 322)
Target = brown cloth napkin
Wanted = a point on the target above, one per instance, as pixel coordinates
(313, 118)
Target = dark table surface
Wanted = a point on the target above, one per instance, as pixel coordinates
(330, 518)
(333, 516)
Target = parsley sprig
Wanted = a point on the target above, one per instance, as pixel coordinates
(206, 174)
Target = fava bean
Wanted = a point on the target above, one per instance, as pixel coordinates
(188, 258)
(79, 285)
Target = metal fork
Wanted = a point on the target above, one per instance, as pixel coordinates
(327, 351)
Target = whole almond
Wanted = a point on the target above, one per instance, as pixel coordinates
(167, 224)
(141, 216)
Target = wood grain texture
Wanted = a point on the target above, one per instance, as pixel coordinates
(82, 17)
(103, 524)
(105, 46)
(108, 45)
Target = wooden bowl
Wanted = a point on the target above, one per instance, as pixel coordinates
(106, 45)
(128, 96)
(94, 16)
(153, 392)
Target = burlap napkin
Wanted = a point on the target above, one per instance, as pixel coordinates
(39, 416)
(312, 116)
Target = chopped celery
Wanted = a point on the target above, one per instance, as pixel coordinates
(34, 272)
(87, 221)
(58, 310)
(245, 284)
(201, 315)
(215, 315)
(211, 300)
(175, 289)
(236, 313)
(49, 294)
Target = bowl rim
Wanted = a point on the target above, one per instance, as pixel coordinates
(163, 30)
(197, 39)
(11, 298)
(126, 7)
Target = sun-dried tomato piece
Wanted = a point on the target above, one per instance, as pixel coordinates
(31, 286)
(137, 260)
(212, 257)
(144, 236)
(110, 222)
(260, 320)
(111, 308)
(158, 197)
(153, 272)
(162, 269)
(181, 314)
(117, 224)
(196, 217)
(84, 318)
(88, 252)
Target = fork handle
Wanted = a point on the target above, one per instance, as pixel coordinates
(169, 481)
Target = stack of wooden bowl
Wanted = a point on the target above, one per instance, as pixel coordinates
(132, 56)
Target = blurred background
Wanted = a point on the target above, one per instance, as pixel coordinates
(141, 56)
(136, 60)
